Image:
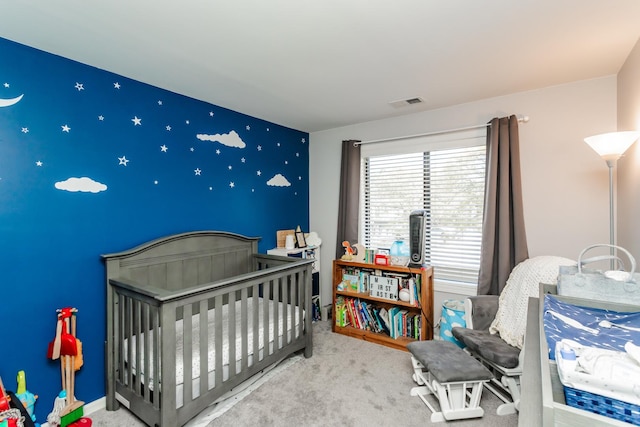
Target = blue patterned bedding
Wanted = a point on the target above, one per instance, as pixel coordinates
(591, 327)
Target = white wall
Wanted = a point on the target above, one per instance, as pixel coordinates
(565, 183)
(628, 190)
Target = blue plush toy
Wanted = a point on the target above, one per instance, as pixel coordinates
(27, 398)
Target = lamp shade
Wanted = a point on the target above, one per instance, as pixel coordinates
(612, 145)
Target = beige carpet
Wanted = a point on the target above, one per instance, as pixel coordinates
(347, 382)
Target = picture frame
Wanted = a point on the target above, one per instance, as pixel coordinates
(300, 240)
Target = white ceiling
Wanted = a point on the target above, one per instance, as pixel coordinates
(316, 65)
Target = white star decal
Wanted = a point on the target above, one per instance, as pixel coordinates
(116, 85)
(38, 163)
(123, 161)
(303, 140)
(186, 121)
(164, 148)
(286, 162)
(168, 127)
(136, 121)
(297, 154)
(65, 128)
(248, 127)
(197, 171)
(210, 188)
(278, 144)
(243, 160)
(299, 178)
(159, 102)
(25, 130)
(259, 147)
(79, 86)
(268, 129)
(101, 117)
(6, 85)
(259, 173)
(192, 149)
(218, 151)
(230, 167)
(155, 182)
(231, 184)
(211, 113)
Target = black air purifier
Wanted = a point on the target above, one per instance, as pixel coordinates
(417, 226)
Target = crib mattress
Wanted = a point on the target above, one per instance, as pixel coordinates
(148, 377)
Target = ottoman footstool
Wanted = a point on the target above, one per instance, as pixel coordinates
(453, 376)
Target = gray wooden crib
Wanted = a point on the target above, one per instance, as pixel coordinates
(192, 316)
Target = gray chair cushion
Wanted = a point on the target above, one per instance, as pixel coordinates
(483, 310)
(447, 362)
(489, 346)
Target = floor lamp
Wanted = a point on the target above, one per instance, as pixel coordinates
(611, 146)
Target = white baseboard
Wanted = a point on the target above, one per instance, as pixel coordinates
(90, 407)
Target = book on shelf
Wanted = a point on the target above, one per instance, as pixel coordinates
(341, 313)
(365, 315)
(350, 282)
(383, 314)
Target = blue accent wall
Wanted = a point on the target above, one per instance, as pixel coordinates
(92, 163)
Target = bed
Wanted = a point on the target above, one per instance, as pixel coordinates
(192, 316)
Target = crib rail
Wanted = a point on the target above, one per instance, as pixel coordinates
(269, 310)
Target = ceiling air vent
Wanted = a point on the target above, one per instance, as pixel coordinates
(406, 102)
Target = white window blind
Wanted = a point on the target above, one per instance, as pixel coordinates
(444, 177)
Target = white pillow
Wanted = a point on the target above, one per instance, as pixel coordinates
(523, 282)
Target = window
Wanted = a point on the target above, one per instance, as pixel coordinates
(443, 175)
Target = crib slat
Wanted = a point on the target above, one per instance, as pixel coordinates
(168, 368)
(244, 331)
(266, 314)
(255, 316)
(119, 351)
(187, 354)
(129, 333)
(137, 328)
(231, 306)
(218, 343)
(276, 315)
(286, 293)
(144, 326)
(204, 346)
(155, 325)
(299, 308)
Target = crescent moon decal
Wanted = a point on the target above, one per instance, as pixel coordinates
(10, 102)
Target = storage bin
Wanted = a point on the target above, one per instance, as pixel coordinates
(612, 408)
(452, 316)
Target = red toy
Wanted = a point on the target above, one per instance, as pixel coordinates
(82, 422)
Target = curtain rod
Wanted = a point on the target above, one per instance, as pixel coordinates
(523, 119)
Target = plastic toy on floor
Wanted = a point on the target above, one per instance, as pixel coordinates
(12, 411)
(82, 422)
(66, 347)
(27, 398)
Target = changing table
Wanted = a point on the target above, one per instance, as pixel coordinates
(543, 402)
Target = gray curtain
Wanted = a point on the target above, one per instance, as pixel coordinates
(504, 241)
(349, 196)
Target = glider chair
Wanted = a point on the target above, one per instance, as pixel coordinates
(495, 326)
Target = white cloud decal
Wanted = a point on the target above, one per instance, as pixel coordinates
(231, 139)
(84, 185)
(278, 181)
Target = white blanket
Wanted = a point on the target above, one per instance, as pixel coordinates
(523, 282)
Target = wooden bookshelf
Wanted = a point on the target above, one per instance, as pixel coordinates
(422, 308)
